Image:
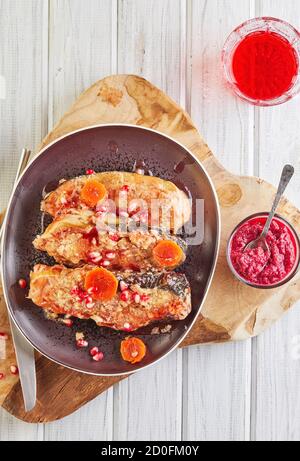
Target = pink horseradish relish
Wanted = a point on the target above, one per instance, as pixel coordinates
(264, 267)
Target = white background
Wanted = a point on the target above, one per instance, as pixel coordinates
(50, 52)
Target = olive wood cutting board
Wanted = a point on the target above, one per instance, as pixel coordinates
(232, 311)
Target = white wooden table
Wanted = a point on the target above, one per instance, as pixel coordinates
(50, 52)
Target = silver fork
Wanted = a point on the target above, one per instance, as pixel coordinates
(24, 351)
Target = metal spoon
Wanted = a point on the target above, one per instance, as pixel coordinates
(260, 241)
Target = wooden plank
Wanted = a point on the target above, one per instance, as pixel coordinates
(275, 399)
(82, 49)
(216, 379)
(23, 70)
(92, 422)
(149, 44)
(216, 392)
(147, 406)
(12, 429)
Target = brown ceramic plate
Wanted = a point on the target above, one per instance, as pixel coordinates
(102, 148)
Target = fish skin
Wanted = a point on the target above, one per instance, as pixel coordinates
(66, 240)
(169, 296)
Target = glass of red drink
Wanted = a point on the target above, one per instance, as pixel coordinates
(261, 61)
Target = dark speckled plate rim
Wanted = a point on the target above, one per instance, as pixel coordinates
(217, 244)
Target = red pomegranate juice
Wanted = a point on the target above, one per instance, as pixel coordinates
(264, 65)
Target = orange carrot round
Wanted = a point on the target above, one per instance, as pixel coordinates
(167, 253)
(92, 192)
(102, 284)
(133, 350)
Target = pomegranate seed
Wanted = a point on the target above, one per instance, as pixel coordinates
(110, 255)
(124, 296)
(82, 343)
(2, 375)
(94, 256)
(144, 297)
(94, 350)
(105, 263)
(90, 305)
(127, 326)
(83, 295)
(80, 293)
(101, 208)
(3, 336)
(14, 369)
(90, 171)
(140, 216)
(143, 217)
(123, 286)
(75, 291)
(136, 298)
(114, 237)
(133, 205)
(97, 357)
(68, 322)
(22, 283)
(125, 187)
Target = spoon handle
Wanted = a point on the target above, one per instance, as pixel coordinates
(287, 173)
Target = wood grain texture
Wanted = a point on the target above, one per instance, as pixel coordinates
(276, 400)
(223, 413)
(82, 48)
(24, 69)
(23, 115)
(149, 44)
(147, 399)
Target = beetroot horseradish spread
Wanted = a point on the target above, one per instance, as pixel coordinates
(261, 267)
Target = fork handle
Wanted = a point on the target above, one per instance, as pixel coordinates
(287, 173)
(25, 154)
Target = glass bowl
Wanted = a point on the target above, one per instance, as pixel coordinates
(296, 239)
(269, 24)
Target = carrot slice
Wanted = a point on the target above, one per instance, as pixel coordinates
(167, 253)
(133, 350)
(103, 284)
(92, 192)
